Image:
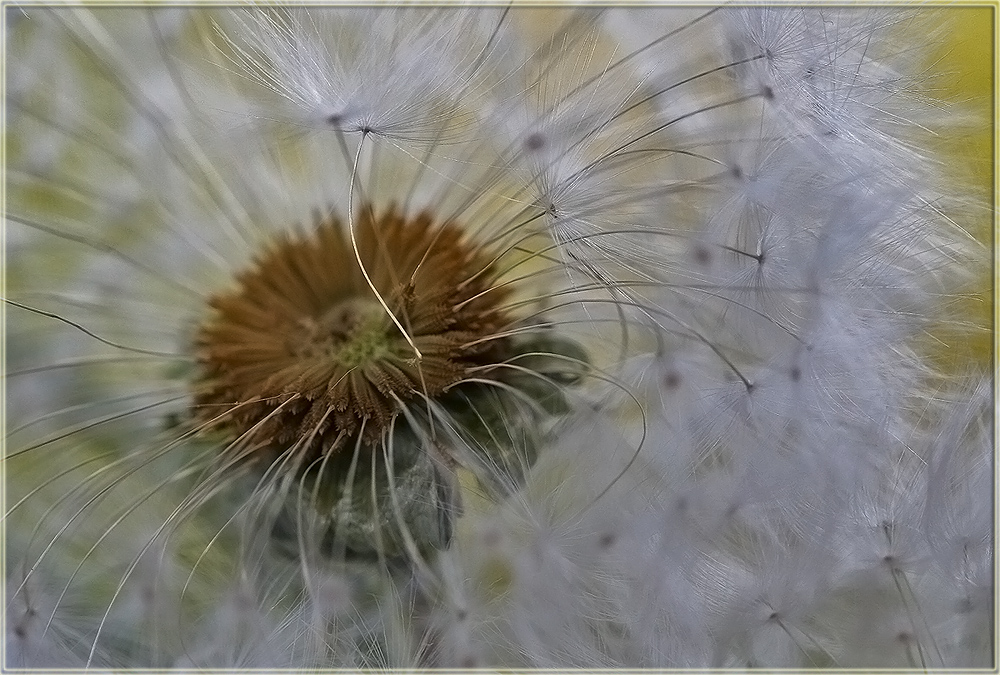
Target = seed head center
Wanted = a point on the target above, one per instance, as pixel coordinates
(353, 333)
(303, 348)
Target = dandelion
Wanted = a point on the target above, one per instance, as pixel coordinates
(488, 337)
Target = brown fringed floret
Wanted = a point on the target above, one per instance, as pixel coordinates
(303, 348)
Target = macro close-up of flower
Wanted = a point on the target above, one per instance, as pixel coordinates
(500, 336)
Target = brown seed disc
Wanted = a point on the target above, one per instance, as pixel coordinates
(303, 349)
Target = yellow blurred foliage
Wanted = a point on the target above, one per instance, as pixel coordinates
(965, 63)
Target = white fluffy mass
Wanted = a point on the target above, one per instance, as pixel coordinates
(733, 211)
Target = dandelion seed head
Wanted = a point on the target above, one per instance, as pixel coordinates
(488, 337)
